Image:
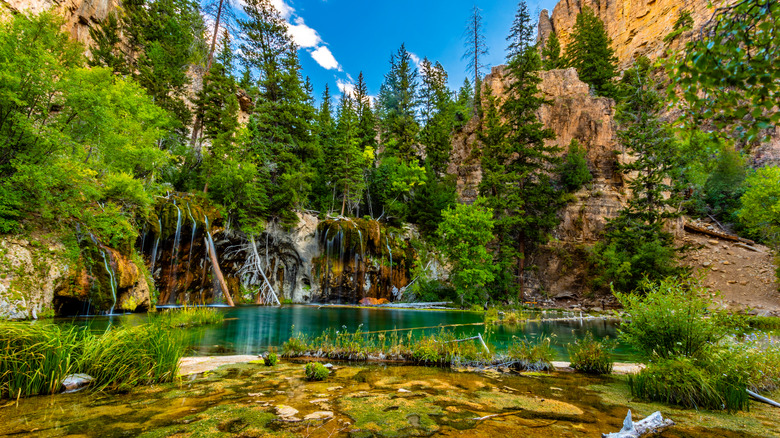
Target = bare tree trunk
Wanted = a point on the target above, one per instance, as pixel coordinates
(218, 272)
(344, 200)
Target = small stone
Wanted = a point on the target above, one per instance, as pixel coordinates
(335, 388)
(706, 264)
(319, 400)
(76, 382)
(712, 242)
(285, 411)
(743, 283)
(726, 262)
(328, 365)
(319, 415)
(404, 390)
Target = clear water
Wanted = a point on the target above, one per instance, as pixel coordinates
(253, 329)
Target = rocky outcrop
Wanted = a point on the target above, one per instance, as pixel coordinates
(574, 114)
(637, 27)
(79, 15)
(38, 277)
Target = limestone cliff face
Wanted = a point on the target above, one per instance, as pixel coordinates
(573, 113)
(637, 27)
(79, 15)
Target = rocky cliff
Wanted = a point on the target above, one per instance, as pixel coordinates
(573, 113)
(637, 27)
(79, 15)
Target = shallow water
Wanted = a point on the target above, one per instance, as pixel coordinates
(364, 401)
(253, 329)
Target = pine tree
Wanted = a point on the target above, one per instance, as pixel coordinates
(217, 104)
(399, 102)
(476, 50)
(636, 244)
(551, 53)
(349, 161)
(283, 113)
(437, 109)
(225, 56)
(590, 52)
(464, 105)
(366, 119)
(521, 33)
(516, 161)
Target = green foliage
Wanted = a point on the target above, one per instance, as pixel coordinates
(35, 358)
(730, 74)
(574, 171)
(531, 355)
(316, 371)
(590, 52)
(725, 187)
(217, 105)
(392, 185)
(272, 359)
(587, 355)
(682, 381)
(668, 320)
(515, 161)
(398, 103)
(551, 53)
(760, 210)
(438, 114)
(429, 202)
(465, 233)
(684, 23)
(187, 317)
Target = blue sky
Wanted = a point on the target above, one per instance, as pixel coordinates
(340, 38)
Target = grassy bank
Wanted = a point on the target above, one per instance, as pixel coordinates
(35, 358)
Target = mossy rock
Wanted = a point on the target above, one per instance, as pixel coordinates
(222, 421)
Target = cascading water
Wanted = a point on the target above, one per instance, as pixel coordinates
(192, 239)
(156, 245)
(175, 256)
(111, 279)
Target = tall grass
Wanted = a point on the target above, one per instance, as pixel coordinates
(187, 317)
(133, 356)
(531, 355)
(34, 358)
(591, 356)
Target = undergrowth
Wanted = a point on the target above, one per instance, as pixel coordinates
(187, 317)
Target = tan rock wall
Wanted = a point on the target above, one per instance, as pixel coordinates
(79, 15)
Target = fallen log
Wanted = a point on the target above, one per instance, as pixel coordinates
(763, 399)
(218, 272)
(730, 237)
(654, 423)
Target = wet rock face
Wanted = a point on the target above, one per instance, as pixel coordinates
(361, 259)
(29, 271)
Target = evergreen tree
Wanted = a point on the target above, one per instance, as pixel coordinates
(217, 104)
(366, 131)
(636, 244)
(551, 53)
(590, 52)
(476, 50)
(574, 171)
(349, 161)
(521, 33)
(437, 108)
(398, 102)
(464, 105)
(516, 162)
(225, 56)
(282, 131)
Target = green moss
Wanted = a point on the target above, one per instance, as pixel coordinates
(392, 416)
(222, 421)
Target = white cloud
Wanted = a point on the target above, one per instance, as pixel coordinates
(286, 10)
(346, 86)
(325, 58)
(415, 59)
(304, 36)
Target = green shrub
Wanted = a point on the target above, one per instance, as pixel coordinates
(690, 383)
(574, 171)
(34, 358)
(426, 350)
(272, 359)
(537, 355)
(670, 319)
(316, 371)
(590, 356)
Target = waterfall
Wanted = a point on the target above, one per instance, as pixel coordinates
(175, 256)
(156, 244)
(390, 253)
(192, 239)
(111, 278)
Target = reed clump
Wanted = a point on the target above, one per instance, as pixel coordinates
(35, 358)
(531, 354)
(591, 356)
(187, 317)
